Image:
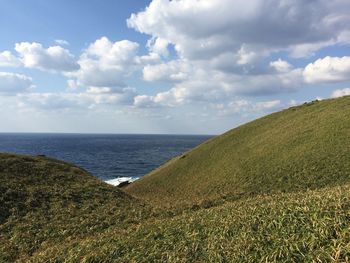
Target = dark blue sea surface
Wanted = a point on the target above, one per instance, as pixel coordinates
(105, 156)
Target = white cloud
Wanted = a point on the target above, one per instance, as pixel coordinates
(214, 86)
(7, 59)
(99, 90)
(175, 70)
(341, 92)
(11, 83)
(112, 53)
(51, 101)
(218, 59)
(72, 84)
(108, 90)
(73, 101)
(245, 56)
(264, 105)
(151, 58)
(107, 64)
(190, 27)
(281, 65)
(158, 46)
(245, 107)
(144, 101)
(55, 58)
(62, 42)
(123, 96)
(328, 69)
(309, 49)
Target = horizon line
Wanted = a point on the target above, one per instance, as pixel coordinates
(109, 133)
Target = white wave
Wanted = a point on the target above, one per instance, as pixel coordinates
(119, 180)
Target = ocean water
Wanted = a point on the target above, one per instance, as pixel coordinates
(105, 156)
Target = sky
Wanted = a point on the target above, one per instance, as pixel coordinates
(166, 67)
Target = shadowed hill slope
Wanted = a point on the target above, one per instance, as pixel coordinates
(44, 202)
(299, 148)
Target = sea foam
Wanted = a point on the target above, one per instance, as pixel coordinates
(119, 180)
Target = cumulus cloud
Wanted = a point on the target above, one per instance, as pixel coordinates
(222, 58)
(281, 65)
(328, 69)
(158, 46)
(341, 92)
(107, 64)
(185, 92)
(7, 59)
(213, 86)
(252, 22)
(55, 58)
(175, 70)
(11, 83)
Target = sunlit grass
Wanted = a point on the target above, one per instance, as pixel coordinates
(300, 148)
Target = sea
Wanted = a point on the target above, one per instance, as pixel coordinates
(110, 157)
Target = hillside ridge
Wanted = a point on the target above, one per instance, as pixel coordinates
(295, 149)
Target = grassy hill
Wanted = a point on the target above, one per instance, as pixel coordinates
(44, 202)
(304, 147)
(274, 190)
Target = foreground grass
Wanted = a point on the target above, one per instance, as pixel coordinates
(313, 226)
(292, 150)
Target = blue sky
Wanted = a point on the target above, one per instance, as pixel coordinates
(162, 66)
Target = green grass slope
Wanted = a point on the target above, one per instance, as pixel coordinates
(44, 202)
(304, 147)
